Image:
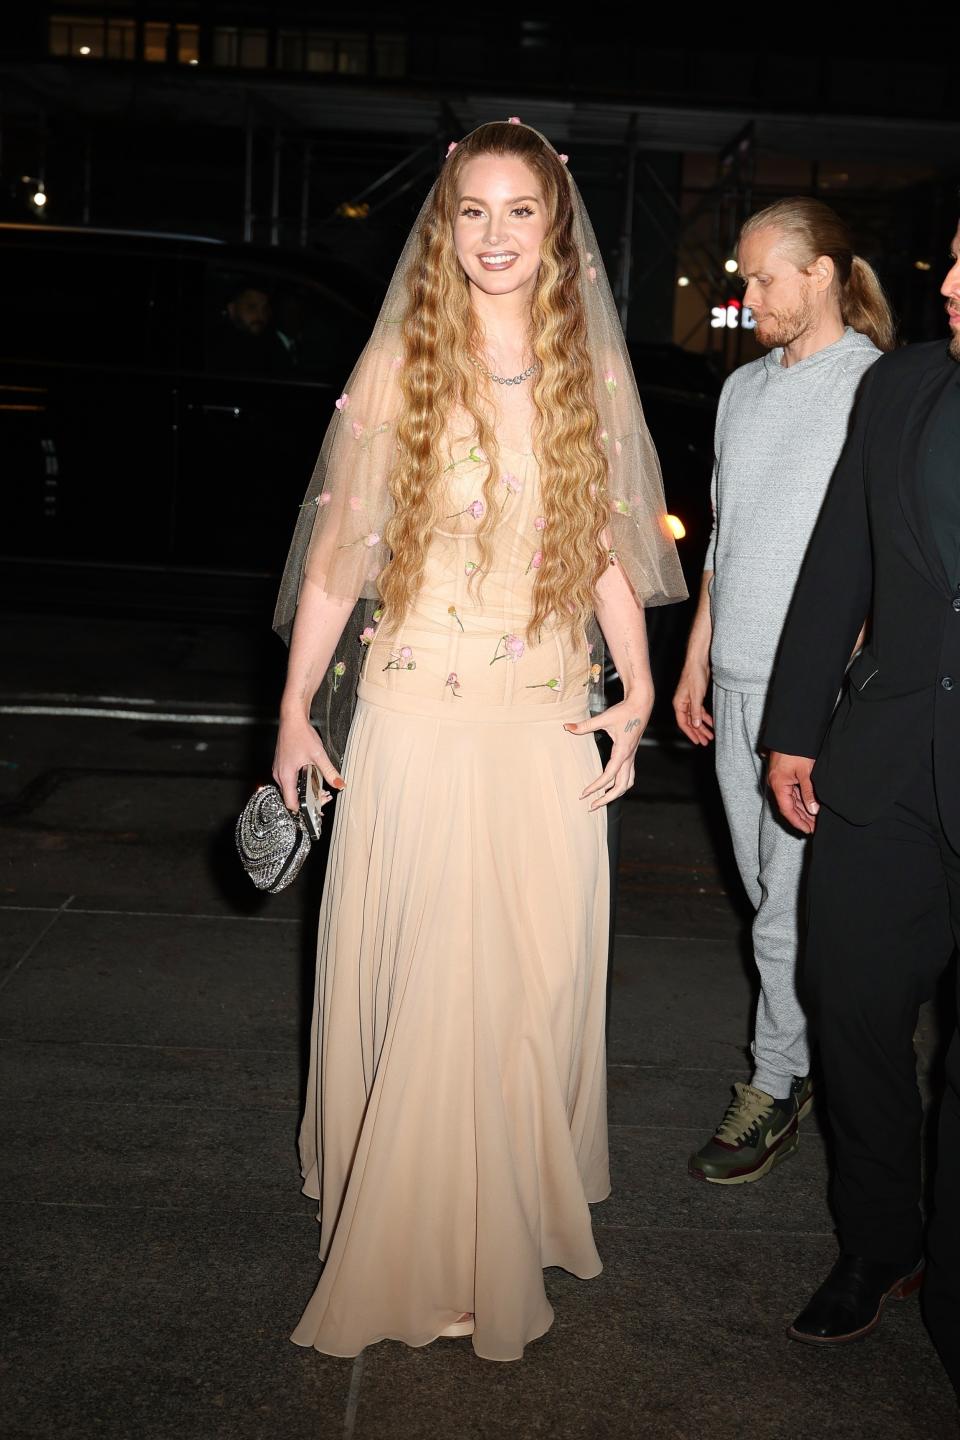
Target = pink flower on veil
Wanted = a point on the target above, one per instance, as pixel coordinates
(343, 402)
(563, 159)
(450, 148)
(514, 120)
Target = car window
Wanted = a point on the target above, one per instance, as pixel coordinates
(64, 306)
(262, 324)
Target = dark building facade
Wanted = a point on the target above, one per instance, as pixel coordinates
(319, 128)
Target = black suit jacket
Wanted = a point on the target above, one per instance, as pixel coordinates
(873, 553)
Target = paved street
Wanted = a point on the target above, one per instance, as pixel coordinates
(158, 1251)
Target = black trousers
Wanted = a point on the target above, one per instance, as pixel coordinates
(884, 916)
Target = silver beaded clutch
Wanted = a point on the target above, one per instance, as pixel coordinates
(272, 843)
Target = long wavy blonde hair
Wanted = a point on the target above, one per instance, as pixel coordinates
(441, 330)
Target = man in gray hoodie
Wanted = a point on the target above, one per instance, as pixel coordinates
(781, 425)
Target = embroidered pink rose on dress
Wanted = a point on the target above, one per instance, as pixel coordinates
(372, 539)
(513, 648)
(367, 635)
(325, 498)
(357, 429)
(512, 483)
(540, 523)
(401, 659)
(454, 684)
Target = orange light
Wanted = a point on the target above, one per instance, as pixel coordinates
(676, 526)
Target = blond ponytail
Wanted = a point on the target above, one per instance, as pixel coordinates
(864, 305)
(813, 229)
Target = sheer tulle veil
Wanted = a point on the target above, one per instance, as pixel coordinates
(338, 540)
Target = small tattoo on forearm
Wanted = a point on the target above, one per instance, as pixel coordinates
(630, 725)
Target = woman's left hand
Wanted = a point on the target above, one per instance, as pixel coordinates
(625, 724)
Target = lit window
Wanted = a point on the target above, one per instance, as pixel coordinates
(352, 54)
(80, 36)
(121, 39)
(156, 38)
(253, 49)
(188, 44)
(226, 45)
(321, 53)
(59, 37)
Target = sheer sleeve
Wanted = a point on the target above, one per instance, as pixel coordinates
(338, 541)
(639, 535)
(638, 532)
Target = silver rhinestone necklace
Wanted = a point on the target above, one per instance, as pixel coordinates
(505, 379)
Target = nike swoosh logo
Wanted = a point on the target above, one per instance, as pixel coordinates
(772, 1139)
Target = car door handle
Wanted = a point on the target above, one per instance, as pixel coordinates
(217, 409)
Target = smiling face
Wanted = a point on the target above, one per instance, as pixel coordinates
(784, 299)
(501, 222)
(950, 290)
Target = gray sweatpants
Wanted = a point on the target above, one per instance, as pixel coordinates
(770, 858)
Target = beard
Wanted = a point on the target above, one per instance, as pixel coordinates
(783, 327)
(955, 345)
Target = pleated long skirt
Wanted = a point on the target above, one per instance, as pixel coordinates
(455, 1124)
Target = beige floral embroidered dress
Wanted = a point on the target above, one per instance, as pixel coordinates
(455, 1126)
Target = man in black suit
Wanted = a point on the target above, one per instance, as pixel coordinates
(877, 776)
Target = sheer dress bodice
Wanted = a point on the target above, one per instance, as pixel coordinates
(464, 641)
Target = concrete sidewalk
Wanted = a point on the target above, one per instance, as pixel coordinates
(159, 1250)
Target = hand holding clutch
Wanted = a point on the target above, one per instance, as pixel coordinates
(272, 842)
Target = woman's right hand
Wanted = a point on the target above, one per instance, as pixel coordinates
(298, 744)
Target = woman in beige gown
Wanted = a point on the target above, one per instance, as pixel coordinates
(487, 486)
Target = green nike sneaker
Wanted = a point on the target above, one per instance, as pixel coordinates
(754, 1135)
(802, 1091)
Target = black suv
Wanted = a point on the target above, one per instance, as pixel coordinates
(162, 397)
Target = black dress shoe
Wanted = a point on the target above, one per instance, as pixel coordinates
(850, 1301)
